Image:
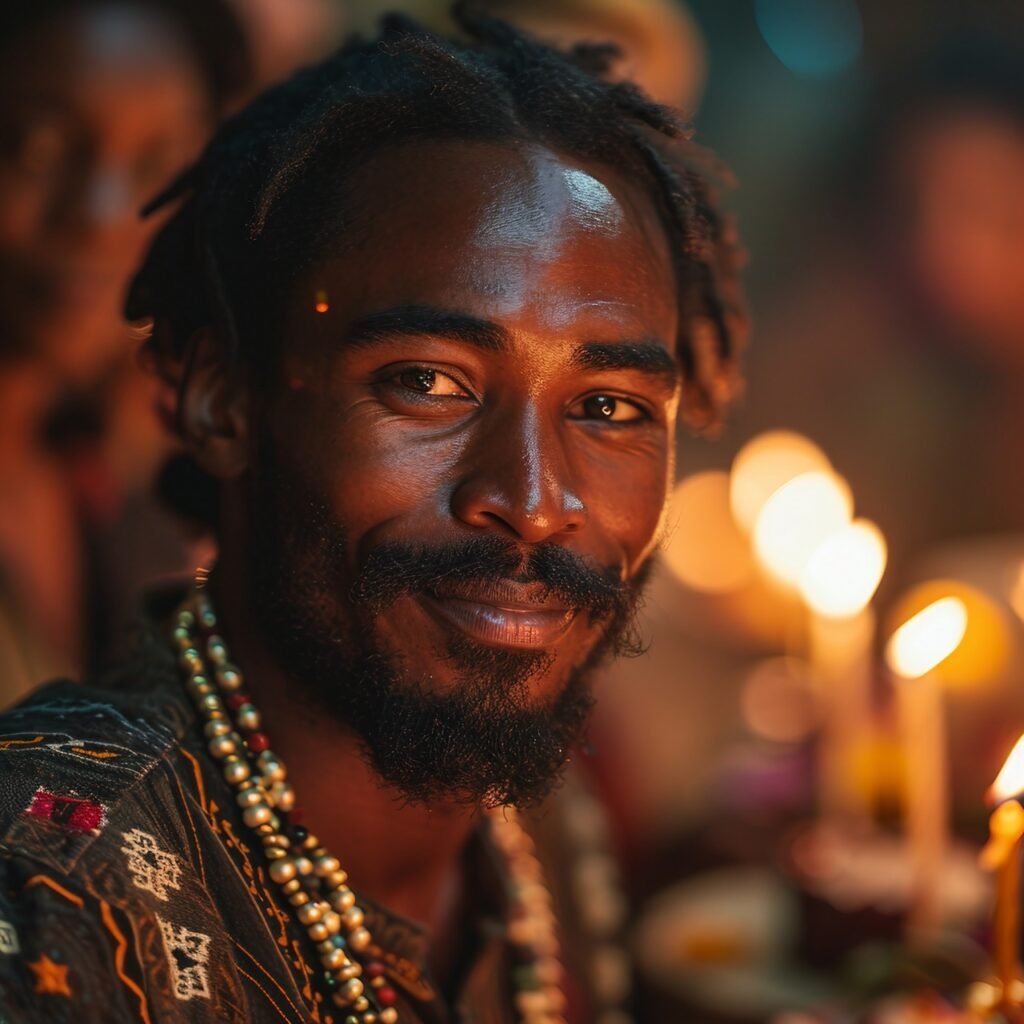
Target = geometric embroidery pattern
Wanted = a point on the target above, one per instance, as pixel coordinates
(187, 953)
(152, 869)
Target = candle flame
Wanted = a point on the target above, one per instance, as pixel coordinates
(797, 518)
(1010, 780)
(925, 641)
(844, 572)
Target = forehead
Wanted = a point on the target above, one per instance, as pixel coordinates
(521, 235)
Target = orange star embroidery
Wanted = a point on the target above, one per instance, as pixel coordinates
(51, 978)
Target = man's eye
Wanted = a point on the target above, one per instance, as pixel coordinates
(431, 382)
(608, 409)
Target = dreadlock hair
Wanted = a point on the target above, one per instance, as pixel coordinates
(262, 203)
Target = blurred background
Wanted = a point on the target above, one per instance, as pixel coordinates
(760, 763)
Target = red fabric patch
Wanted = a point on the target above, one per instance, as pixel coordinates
(67, 811)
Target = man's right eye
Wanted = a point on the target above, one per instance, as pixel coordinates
(425, 381)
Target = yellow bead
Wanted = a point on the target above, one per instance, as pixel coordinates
(359, 939)
(282, 871)
(334, 960)
(258, 814)
(309, 914)
(236, 771)
(249, 796)
(353, 918)
(336, 879)
(221, 746)
(318, 932)
(325, 866)
(332, 920)
(298, 898)
(389, 1015)
(342, 899)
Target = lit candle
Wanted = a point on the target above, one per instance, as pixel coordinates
(837, 584)
(914, 651)
(1002, 855)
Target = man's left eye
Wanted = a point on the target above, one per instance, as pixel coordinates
(607, 408)
(425, 381)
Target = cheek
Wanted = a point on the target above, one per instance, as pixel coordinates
(625, 494)
(377, 469)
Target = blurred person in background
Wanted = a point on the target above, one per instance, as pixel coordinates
(103, 101)
(662, 49)
(905, 332)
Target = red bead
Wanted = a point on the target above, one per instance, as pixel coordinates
(386, 996)
(374, 969)
(236, 700)
(257, 742)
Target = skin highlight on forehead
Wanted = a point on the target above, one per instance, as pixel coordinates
(548, 195)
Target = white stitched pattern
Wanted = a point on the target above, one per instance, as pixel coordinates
(152, 869)
(187, 955)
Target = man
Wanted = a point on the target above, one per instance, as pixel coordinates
(431, 309)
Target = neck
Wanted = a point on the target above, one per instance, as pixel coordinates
(400, 855)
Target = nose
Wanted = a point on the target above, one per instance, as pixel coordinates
(516, 478)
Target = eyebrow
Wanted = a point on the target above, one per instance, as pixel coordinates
(644, 356)
(417, 321)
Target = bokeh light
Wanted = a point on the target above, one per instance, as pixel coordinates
(764, 464)
(845, 570)
(988, 643)
(705, 549)
(797, 519)
(812, 37)
(924, 641)
(778, 701)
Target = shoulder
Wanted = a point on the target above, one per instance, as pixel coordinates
(69, 757)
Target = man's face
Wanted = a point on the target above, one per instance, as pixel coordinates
(466, 470)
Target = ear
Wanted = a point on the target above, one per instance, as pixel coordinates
(213, 410)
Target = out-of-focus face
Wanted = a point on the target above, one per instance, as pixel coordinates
(458, 490)
(98, 111)
(959, 177)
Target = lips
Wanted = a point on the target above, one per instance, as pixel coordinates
(502, 613)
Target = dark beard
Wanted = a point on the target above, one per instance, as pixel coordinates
(482, 741)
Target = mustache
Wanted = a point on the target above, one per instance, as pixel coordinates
(394, 570)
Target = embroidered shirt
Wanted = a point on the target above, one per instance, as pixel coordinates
(130, 889)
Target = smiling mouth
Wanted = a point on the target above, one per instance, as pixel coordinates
(505, 615)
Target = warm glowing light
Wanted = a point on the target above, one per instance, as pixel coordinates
(987, 648)
(763, 465)
(1010, 780)
(321, 302)
(797, 519)
(778, 701)
(844, 571)
(925, 641)
(704, 548)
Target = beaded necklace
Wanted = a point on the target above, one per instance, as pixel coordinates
(312, 880)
